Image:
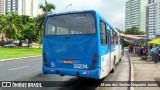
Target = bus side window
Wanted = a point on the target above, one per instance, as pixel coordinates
(103, 32)
(108, 39)
(114, 34)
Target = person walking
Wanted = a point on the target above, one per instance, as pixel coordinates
(156, 52)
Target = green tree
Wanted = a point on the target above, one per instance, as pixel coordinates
(29, 33)
(2, 24)
(24, 22)
(119, 30)
(47, 9)
(134, 31)
(10, 25)
(26, 30)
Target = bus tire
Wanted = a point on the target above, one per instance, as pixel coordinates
(114, 66)
(121, 57)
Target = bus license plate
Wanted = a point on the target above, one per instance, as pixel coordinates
(80, 66)
(68, 61)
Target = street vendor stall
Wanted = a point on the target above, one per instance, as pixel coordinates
(154, 42)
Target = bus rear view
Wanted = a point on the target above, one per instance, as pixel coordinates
(70, 45)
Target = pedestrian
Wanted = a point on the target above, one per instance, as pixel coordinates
(156, 52)
(151, 47)
(141, 50)
(129, 49)
(134, 49)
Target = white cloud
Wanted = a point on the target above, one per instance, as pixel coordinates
(112, 10)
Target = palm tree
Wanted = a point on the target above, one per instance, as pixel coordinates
(2, 23)
(11, 25)
(47, 9)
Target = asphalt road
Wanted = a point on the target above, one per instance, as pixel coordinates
(30, 70)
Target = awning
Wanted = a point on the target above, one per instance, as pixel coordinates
(154, 41)
(131, 36)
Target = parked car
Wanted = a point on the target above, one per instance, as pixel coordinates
(24, 45)
(10, 45)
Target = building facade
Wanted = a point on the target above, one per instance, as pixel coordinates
(153, 19)
(29, 7)
(2, 6)
(135, 14)
(128, 15)
(11, 6)
(21, 7)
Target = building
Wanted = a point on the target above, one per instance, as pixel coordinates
(29, 7)
(2, 6)
(21, 7)
(128, 15)
(153, 19)
(135, 14)
(11, 6)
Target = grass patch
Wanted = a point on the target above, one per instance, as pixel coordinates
(7, 53)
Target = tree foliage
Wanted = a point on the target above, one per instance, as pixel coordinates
(119, 30)
(13, 26)
(134, 31)
(23, 27)
(47, 9)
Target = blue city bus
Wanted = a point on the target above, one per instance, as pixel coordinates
(80, 44)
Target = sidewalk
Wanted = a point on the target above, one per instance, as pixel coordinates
(143, 70)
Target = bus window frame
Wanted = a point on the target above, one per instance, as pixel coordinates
(100, 20)
(94, 16)
(109, 40)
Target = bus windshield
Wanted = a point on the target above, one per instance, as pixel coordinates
(70, 24)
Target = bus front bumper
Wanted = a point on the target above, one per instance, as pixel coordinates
(95, 73)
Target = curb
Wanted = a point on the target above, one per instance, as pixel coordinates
(18, 58)
(132, 72)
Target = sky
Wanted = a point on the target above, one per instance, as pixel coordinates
(112, 10)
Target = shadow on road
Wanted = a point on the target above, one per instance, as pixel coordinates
(81, 84)
(64, 83)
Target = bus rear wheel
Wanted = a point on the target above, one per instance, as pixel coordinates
(114, 67)
(121, 57)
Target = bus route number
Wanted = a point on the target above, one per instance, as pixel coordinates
(80, 66)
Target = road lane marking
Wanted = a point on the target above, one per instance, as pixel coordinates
(18, 68)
